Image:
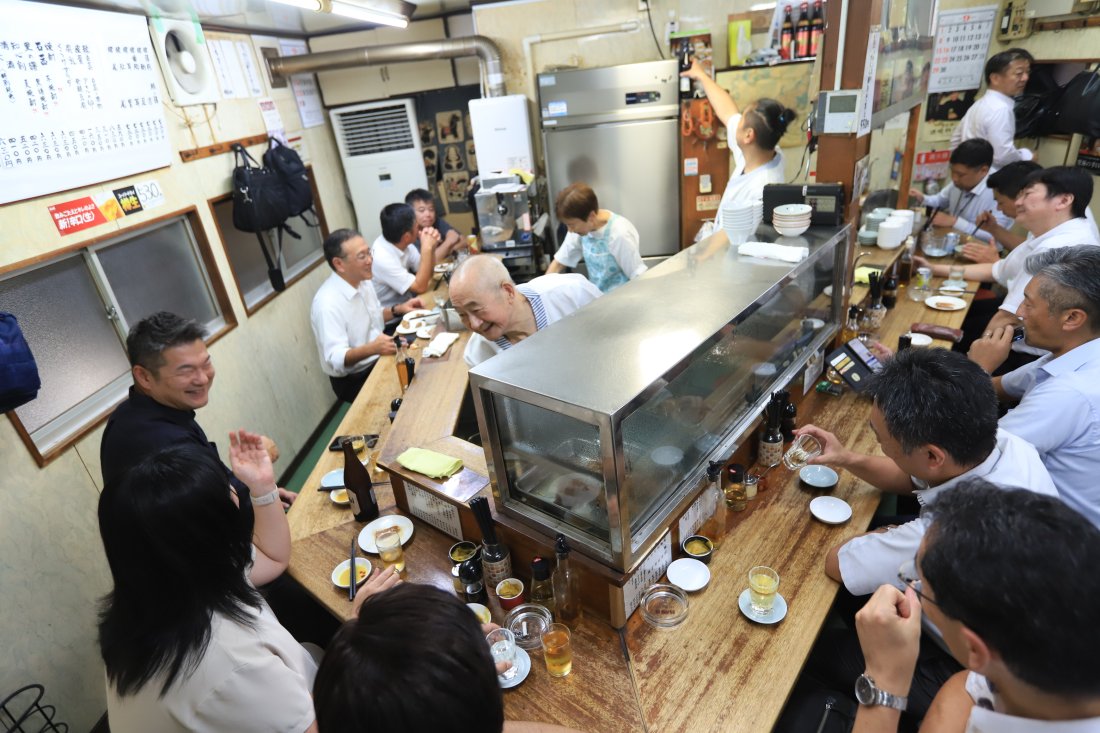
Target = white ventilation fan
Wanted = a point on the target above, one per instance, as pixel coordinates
(380, 149)
(185, 61)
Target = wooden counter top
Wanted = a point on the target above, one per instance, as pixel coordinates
(718, 671)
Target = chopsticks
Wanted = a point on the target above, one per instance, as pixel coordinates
(352, 577)
(928, 222)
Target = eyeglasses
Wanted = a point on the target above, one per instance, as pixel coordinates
(907, 574)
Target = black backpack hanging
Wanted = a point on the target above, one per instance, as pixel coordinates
(1078, 108)
(286, 162)
(260, 203)
(19, 380)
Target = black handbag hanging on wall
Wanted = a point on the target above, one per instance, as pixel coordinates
(260, 205)
(1078, 108)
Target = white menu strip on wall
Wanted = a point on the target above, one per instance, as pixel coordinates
(79, 99)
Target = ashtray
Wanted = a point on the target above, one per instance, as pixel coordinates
(664, 606)
(527, 621)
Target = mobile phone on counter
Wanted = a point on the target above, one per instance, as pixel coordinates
(369, 441)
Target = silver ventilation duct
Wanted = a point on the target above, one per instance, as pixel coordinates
(486, 51)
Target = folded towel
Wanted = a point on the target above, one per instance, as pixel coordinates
(429, 462)
(438, 346)
(862, 274)
(771, 251)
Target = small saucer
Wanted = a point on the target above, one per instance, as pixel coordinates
(818, 476)
(523, 668)
(778, 612)
(831, 510)
(689, 574)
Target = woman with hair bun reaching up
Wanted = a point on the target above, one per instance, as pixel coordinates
(753, 135)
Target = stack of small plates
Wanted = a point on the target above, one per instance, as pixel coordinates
(741, 218)
(790, 220)
(892, 232)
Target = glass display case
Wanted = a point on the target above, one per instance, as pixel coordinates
(600, 426)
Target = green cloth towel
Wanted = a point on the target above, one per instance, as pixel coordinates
(429, 462)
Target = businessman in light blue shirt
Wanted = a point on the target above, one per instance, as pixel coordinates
(968, 196)
(1058, 395)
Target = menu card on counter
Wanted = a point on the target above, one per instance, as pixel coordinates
(435, 511)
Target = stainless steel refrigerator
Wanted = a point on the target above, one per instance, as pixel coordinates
(617, 129)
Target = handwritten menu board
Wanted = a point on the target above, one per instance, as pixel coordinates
(962, 42)
(78, 99)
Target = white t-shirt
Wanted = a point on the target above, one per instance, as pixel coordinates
(985, 719)
(1067, 234)
(871, 560)
(552, 298)
(748, 186)
(617, 238)
(250, 680)
(343, 318)
(992, 118)
(393, 271)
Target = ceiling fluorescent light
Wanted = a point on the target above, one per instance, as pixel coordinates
(314, 5)
(368, 15)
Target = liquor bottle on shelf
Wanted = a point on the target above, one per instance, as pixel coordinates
(817, 29)
(495, 557)
(802, 32)
(686, 92)
(786, 34)
(565, 584)
(357, 481)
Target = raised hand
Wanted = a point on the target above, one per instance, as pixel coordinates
(250, 462)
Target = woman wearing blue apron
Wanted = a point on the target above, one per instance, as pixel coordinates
(753, 137)
(606, 241)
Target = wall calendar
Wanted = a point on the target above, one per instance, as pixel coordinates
(79, 99)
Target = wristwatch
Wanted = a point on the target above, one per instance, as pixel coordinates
(868, 694)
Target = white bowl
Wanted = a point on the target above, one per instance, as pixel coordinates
(791, 232)
(362, 565)
(792, 209)
(818, 476)
(689, 574)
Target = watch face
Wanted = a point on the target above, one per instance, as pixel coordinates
(865, 690)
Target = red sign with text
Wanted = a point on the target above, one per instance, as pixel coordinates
(72, 216)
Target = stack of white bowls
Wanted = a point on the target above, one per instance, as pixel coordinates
(741, 218)
(892, 232)
(790, 220)
(906, 215)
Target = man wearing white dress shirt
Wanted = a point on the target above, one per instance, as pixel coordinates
(347, 318)
(993, 117)
(1058, 395)
(1024, 627)
(400, 269)
(962, 201)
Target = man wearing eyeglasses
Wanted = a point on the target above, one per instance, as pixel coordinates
(1009, 579)
(347, 317)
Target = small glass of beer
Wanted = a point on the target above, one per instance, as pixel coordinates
(558, 650)
(388, 540)
(763, 585)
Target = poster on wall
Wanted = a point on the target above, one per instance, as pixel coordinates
(79, 99)
(306, 93)
(962, 42)
(450, 159)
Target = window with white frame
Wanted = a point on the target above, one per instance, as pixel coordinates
(247, 260)
(76, 309)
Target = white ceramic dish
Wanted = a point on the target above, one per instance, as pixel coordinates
(667, 455)
(574, 490)
(360, 562)
(523, 668)
(366, 535)
(339, 496)
(334, 479)
(784, 231)
(444, 267)
(482, 612)
(424, 333)
(778, 612)
(919, 339)
(831, 510)
(689, 574)
(413, 326)
(953, 286)
(945, 303)
(793, 209)
(820, 477)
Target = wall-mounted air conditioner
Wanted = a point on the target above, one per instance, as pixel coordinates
(185, 61)
(380, 149)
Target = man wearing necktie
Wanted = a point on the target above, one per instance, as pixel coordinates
(962, 201)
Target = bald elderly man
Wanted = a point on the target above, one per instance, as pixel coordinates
(501, 313)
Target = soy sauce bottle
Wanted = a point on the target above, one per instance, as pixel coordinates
(358, 484)
(406, 365)
(473, 584)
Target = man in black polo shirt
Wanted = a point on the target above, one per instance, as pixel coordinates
(172, 374)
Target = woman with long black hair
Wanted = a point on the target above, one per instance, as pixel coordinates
(188, 642)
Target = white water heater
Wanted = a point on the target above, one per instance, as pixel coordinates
(502, 133)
